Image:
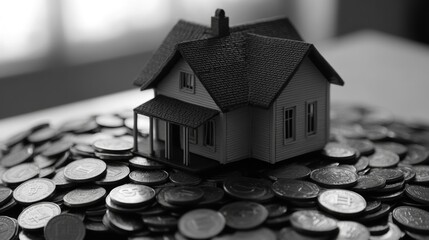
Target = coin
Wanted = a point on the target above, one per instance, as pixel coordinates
(289, 172)
(275, 210)
(365, 147)
(390, 175)
(182, 178)
(313, 222)
(397, 148)
(109, 121)
(8, 228)
(352, 231)
(341, 202)
(113, 156)
(121, 223)
(334, 177)
(362, 164)
(161, 221)
(212, 195)
(36, 216)
(18, 157)
(5, 195)
(383, 159)
(339, 152)
(115, 173)
(20, 173)
(59, 179)
(370, 217)
(57, 148)
(144, 163)
(409, 173)
(418, 193)
(246, 188)
(42, 135)
(183, 195)
(148, 177)
(124, 209)
(84, 196)
(34, 190)
(85, 170)
(295, 189)
(244, 215)
(65, 227)
(113, 145)
(132, 195)
(422, 174)
(417, 154)
(372, 206)
(369, 183)
(201, 224)
(394, 233)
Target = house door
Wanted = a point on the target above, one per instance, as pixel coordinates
(175, 135)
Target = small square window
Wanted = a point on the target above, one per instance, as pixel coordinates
(187, 82)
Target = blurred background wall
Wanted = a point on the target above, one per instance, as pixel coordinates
(58, 51)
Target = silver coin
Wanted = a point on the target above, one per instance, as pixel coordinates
(201, 224)
(341, 202)
(132, 195)
(34, 190)
(85, 170)
(36, 216)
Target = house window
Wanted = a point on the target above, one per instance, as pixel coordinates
(193, 135)
(311, 117)
(209, 134)
(289, 124)
(187, 82)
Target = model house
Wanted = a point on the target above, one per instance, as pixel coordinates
(231, 93)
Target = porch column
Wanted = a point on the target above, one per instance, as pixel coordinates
(186, 146)
(135, 133)
(151, 136)
(167, 140)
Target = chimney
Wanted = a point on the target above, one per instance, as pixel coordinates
(220, 24)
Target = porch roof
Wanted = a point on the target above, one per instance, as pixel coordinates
(176, 111)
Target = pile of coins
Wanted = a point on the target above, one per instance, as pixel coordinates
(81, 180)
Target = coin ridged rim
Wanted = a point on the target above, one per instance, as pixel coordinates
(350, 182)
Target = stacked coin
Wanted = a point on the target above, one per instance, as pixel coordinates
(82, 180)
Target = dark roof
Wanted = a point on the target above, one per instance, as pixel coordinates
(176, 111)
(252, 65)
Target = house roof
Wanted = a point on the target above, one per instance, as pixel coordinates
(252, 65)
(176, 111)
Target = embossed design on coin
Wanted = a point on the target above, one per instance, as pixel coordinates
(244, 215)
(246, 188)
(334, 177)
(132, 195)
(20, 173)
(341, 202)
(383, 159)
(352, 231)
(201, 224)
(85, 170)
(84, 196)
(116, 172)
(34, 190)
(313, 222)
(422, 174)
(8, 228)
(411, 218)
(295, 189)
(418, 193)
(37, 215)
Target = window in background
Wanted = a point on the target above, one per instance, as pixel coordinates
(25, 33)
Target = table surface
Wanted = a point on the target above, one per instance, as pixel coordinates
(379, 70)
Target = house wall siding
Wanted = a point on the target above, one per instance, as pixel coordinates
(308, 84)
(170, 86)
(237, 134)
(261, 133)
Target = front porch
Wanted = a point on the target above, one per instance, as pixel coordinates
(179, 118)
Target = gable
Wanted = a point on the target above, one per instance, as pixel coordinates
(170, 86)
